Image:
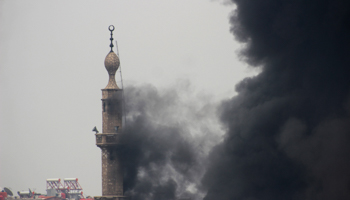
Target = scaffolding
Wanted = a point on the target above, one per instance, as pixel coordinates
(54, 183)
(73, 187)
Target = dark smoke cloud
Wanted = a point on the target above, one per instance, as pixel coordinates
(168, 135)
(288, 129)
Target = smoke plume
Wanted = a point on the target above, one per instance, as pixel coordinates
(288, 129)
(168, 135)
(286, 132)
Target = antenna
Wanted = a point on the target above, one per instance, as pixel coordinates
(8, 191)
(121, 79)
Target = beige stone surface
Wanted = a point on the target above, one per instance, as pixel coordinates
(108, 140)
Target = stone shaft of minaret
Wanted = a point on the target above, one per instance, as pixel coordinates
(109, 139)
(112, 169)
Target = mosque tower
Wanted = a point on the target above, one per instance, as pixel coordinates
(109, 139)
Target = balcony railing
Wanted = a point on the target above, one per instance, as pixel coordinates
(106, 139)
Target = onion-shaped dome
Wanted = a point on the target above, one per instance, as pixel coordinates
(112, 64)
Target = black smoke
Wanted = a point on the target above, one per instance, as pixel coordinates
(167, 136)
(288, 129)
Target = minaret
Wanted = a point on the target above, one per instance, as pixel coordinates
(109, 139)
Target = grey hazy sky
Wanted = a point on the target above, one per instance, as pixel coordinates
(52, 73)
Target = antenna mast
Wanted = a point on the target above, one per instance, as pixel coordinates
(121, 79)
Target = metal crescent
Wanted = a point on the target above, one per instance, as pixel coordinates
(110, 28)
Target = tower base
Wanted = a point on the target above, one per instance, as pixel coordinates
(111, 198)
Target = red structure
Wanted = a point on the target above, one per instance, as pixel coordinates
(3, 195)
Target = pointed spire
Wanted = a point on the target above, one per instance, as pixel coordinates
(111, 29)
(112, 63)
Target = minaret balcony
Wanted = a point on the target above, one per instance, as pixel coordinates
(107, 139)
